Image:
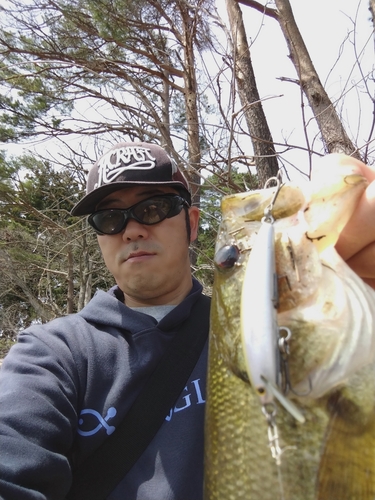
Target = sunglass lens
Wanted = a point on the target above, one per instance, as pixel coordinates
(109, 221)
(153, 210)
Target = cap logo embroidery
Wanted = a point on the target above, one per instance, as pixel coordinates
(114, 163)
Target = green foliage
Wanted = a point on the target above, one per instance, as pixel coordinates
(213, 189)
(42, 247)
(56, 53)
(5, 344)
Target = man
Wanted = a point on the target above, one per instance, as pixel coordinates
(67, 385)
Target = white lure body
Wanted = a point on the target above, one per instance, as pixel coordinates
(259, 328)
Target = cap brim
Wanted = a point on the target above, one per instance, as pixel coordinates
(88, 204)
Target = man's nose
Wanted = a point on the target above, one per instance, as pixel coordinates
(134, 230)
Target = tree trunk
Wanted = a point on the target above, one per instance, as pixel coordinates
(264, 151)
(70, 277)
(43, 312)
(372, 10)
(333, 133)
(191, 99)
(190, 94)
(85, 275)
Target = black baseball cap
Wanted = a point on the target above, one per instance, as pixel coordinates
(130, 164)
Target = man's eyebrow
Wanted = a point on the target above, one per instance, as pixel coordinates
(142, 194)
(106, 203)
(152, 191)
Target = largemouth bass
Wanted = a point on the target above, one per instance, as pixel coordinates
(256, 448)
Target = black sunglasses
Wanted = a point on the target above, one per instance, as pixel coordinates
(149, 212)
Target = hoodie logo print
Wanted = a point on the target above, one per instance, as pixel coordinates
(102, 421)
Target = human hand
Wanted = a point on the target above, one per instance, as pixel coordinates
(356, 244)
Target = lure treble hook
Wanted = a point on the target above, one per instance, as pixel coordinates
(268, 217)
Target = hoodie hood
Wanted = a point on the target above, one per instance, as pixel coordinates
(107, 310)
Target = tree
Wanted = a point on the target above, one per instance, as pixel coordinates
(43, 250)
(264, 150)
(134, 57)
(331, 127)
(170, 72)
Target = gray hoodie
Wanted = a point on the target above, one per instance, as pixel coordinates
(65, 387)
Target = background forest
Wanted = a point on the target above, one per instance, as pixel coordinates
(79, 75)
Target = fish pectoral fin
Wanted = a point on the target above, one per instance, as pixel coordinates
(285, 402)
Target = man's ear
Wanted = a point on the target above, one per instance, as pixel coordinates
(194, 222)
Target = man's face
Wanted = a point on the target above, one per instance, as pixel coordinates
(149, 263)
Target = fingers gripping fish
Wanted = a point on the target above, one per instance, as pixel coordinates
(330, 313)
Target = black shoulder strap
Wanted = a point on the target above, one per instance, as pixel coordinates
(100, 473)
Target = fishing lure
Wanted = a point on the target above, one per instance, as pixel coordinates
(260, 332)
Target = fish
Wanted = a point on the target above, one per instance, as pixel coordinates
(315, 349)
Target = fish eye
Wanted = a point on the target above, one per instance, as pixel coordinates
(226, 256)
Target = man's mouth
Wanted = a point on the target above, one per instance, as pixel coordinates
(139, 256)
